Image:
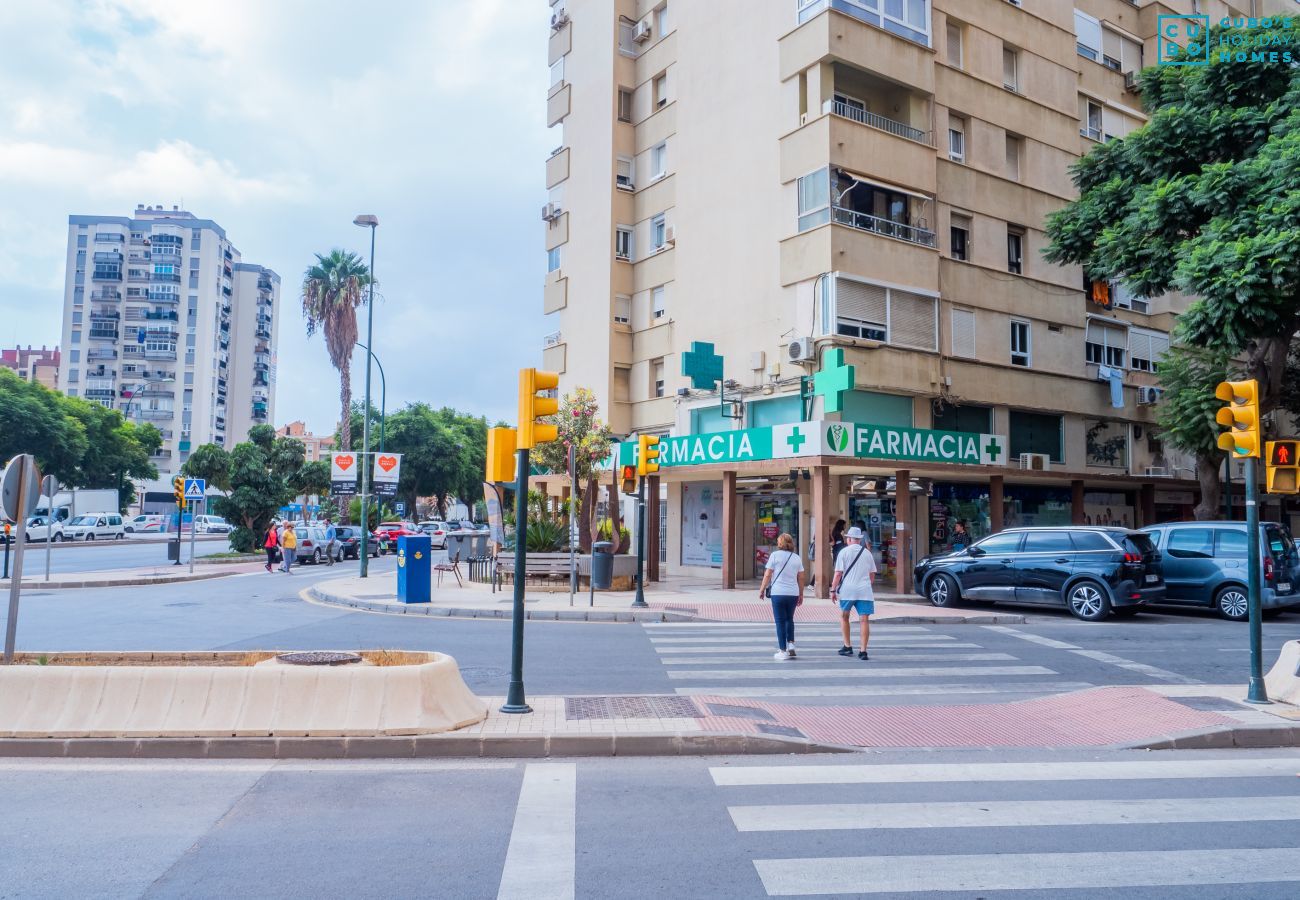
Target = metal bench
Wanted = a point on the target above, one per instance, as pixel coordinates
(541, 566)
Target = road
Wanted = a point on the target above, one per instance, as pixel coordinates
(998, 825)
(101, 556)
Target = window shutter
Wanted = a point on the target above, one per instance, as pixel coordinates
(1139, 345)
(963, 333)
(1105, 333)
(1159, 346)
(856, 300)
(912, 320)
(954, 45)
(1111, 44)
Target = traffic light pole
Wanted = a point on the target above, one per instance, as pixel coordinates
(515, 702)
(639, 602)
(1256, 693)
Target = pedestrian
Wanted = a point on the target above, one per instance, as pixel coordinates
(331, 538)
(960, 537)
(289, 547)
(855, 570)
(837, 538)
(783, 584)
(271, 544)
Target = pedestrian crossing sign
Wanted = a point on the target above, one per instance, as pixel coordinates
(195, 488)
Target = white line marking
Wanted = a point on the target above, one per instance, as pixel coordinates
(541, 863)
(1025, 871)
(1032, 638)
(863, 670)
(728, 776)
(1013, 813)
(1109, 658)
(219, 767)
(883, 690)
(888, 658)
(816, 645)
(720, 626)
(799, 637)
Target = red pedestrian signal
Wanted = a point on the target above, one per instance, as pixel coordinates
(1283, 453)
(1281, 468)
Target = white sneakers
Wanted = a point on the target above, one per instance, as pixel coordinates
(789, 648)
(782, 655)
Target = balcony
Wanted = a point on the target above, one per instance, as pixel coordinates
(100, 394)
(260, 380)
(101, 353)
(160, 354)
(887, 227)
(552, 339)
(158, 415)
(264, 284)
(163, 296)
(141, 257)
(166, 277)
(864, 206)
(172, 239)
(263, 333)
(106, 295)
(851, 33)
(106, 273)
(166, 316)
(105, 315)
(111, 257)
(906, 21)
(109, 237)
(103, 334)
(856, 112)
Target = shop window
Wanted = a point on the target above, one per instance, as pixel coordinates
(708, 419)
(775, 411)
(1037, 433)
(872, 408)
(973, 419)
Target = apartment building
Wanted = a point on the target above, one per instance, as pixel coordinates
(317, 446)
(789, 230)
(37, 366)
(163, 321)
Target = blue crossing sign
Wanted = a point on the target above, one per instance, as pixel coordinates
(195, 488)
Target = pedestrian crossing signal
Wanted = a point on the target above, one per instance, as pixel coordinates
(629, 479)
(1282, 468)
(178, 491)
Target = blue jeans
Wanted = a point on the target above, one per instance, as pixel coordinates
(783, 612)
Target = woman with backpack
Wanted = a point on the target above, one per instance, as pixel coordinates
(783, 584)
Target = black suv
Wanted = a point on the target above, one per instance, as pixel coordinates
(349, 538)
(1091, 571)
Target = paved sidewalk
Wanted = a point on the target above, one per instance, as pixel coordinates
(141, 575)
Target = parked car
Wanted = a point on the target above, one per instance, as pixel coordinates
(147, 524)
(391, 531)
(1091, 571)
(211, 525)
(40, 528)
(312, 545)
(437, 530)
(95, 527)
(349, 538)
(1205, 565)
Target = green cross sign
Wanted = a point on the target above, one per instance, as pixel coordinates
(702, 366)
(833, 381)
(993, 448)
(796, 440)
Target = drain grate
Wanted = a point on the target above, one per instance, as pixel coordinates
(629, 708)
(732, 711)
(1208, 704)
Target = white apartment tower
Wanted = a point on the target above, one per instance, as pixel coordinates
(165, 323)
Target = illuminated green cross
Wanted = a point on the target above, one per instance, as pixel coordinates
(702, 366)
(993, 448)
(833, 381)
(795, 440)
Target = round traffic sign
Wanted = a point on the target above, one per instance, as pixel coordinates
(21, 470)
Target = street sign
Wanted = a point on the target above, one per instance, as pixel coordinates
(343, 473)
(17, 474)
(195, 488)
(401, 508)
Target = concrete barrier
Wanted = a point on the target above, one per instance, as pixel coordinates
(227, 699)
(1283, 680)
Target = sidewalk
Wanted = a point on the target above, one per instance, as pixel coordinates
(672, 601)
(165, 573)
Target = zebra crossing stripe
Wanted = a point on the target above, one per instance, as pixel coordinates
(893, 657)
(1098, 655)
(800, 638)
(884, 690)
(863, 670)
(541, 861)
(802, 644)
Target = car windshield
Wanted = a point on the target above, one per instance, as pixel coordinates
(1139, 543)
(83, 520)
(216, 520)
(1279, 542)
(39, 520)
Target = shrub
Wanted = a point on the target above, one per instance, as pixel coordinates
(544, 536)
(624, 536)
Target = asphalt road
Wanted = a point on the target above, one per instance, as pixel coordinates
(998, 825)
(101, 556)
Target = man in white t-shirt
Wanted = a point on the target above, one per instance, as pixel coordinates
(855, 571)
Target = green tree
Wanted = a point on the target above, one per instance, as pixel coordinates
(580, 427)
(443, 451)
(33, 420)
(332, 289)
(1203, 199)
(1186, 413)
(210, 462)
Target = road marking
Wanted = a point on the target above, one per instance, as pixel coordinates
(863, 670)
(541, 863)
(800, 638)
(1013, 813)
(219, 767)
(719, 626)
(1098, 655)
(727, 776)
(899, 657)
(1025, 871)
(883, 690)
(677, 651)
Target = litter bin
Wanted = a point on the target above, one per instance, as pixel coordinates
(413, 568)
(456, 547)
(174, 550)
(602, 565)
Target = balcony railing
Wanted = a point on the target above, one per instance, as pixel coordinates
(108, 256)
(886, 227)
(100, 394)
(106, 314)
(263, 333)
(164, 296)
(170, 315)
(141, 258)
(160, 354)
(171, 277)
(103, 334)
(862, 116)
(106, 295)
(158, 415)
(552, 339)
(107, 274)
(101, 353)
(108, 237)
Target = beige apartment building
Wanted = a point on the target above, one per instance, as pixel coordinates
(37, 366)
(317, 446)
(808, 185)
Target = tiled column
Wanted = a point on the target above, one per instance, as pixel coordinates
(903, 522)
(821, 517)
(729, 529)
(652, 527)
(995, 503)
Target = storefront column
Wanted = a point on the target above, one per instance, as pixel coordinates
(821, 528)
(729, 529)
(903, 521)
(1076, 502)
(1146, 506)
(996, 503)
(652, 527)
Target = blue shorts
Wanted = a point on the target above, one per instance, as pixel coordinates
(864, 607)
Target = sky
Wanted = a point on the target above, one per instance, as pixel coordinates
(282, 120)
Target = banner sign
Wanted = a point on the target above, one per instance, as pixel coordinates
(387, 471)
(343, 473)
(496, 523)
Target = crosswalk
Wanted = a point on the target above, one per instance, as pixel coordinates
(910, 662)
(1014, 826)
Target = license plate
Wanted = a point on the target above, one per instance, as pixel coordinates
(1284, 586)
(1152, 579)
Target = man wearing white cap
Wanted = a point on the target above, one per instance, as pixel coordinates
(855, 570)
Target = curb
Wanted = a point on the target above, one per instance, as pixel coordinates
(315, 594)
(118, 582)
(416, 747)
(1221, 737)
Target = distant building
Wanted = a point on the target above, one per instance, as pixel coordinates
(318, 447)
(37, 366)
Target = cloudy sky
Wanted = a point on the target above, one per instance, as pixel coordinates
(281, 121)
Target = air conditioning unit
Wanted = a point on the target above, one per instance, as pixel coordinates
(1131, 81)
(1158, 472)
(559, 20)
(550, 212)
(1038, 462)
(1149, 396)
(801, 351)
(642, 32)
(670, 236)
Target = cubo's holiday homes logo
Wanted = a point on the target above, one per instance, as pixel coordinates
(1183, 40)
(1186, 40)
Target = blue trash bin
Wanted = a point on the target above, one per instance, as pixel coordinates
(413, 568)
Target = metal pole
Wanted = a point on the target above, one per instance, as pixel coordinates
(48, 483)
(8, 541)
(365, 418)
(1256, 692)
(515, 693)
(1227, 488)
(573, 522)
(19, 535)
(192, 530)
(383, 394)
(640, 546)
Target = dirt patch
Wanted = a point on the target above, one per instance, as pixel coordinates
(379, 657)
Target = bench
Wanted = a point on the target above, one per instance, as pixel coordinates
(541, 566)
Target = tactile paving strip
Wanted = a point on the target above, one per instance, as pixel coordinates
(630, 708)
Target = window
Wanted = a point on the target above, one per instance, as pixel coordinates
(624, 105)
(1229, 544)
(1089, 541)
(1013, 156)
(875, 312)
(1020, 343)
(659, 160)
(76, 337)
(657, 377)
(623, 174)
(963, 333)
(1010, 68)
(626, 44)
(971, 418)
(1104, 343)
(1015, 248)
(658, 232)
(1087, 36)
(622, 309)
(553, 260)
(814, 199)
(1047, 542)
(1191, 543)
(1036, 433)
(661, 90)
(1001, 543)
(959, 237)
(657, 302)
(1146, 348)
(954, 43)
(1090, 119)
(622, 384)
(623, 242)
(1123, 298)
(956, 138)
(661, 20)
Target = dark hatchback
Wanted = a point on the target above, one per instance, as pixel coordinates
(349, 538)
(1090, 571)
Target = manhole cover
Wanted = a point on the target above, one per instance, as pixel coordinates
(319, 658)
(630, 708)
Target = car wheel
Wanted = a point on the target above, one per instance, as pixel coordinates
(89, 538)
(1088, 601)
(1232, 604)
(315, 557)
(943, 592)
(57, 538)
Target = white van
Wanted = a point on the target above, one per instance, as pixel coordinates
(211, 525)
(95, 527)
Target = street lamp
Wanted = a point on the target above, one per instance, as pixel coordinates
(383, 395)
(371, 222)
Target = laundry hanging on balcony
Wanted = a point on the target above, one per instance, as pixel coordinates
(1116, 378)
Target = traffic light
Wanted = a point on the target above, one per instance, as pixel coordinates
(533, 407)
(1241, 416)
(629, 479)
(647, 459)
(178, 489)
(1282, 467)
(500, 455)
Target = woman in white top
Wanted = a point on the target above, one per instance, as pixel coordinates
(785, 577)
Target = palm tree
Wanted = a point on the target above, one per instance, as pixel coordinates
(332, 289)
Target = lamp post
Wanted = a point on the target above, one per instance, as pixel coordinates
(383, 395)
(371, 222)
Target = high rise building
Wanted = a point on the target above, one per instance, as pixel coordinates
(162, 321)
(744, 195)
(37, 366)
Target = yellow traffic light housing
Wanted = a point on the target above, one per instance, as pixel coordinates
(532, 407)
(647, 457)
(629, 479)
(500, 455)
(178, 490)
(1281, 467)
(1240, 416)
